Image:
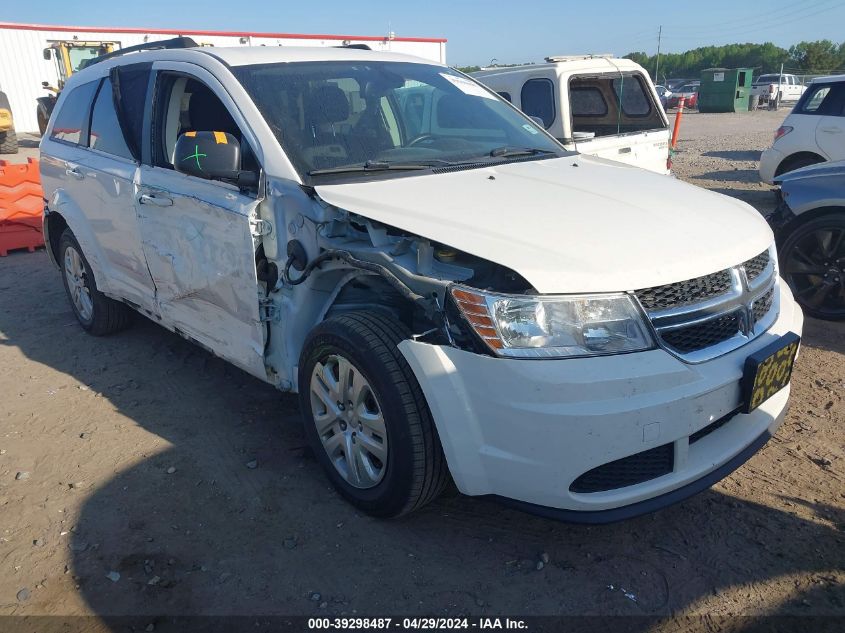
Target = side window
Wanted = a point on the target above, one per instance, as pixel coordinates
(815, 100)
(106, 135)
(184, 105)
(538, 99)
(505, 95)
(72, 116)
(587, 102)
(188, 106)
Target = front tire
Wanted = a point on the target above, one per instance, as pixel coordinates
(96, 313)
(365, 416)
(812, 260)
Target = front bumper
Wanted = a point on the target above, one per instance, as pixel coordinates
(770, 159)
(525, 430)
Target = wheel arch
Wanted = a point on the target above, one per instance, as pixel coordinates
(804, 218)
(69, 215)
(782, 167)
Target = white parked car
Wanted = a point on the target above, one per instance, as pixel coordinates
(593, 104)
(813, 132)
(449, 290)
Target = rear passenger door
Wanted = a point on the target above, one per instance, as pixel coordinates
(196, 232)
(88, 174)
(109, 171)
(830, 131)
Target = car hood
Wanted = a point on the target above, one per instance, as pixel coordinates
(571, 224)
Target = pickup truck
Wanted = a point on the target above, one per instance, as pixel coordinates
(776, 89)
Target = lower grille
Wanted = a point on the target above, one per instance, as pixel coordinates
(695, 337)
(707, 430)
(627, 471)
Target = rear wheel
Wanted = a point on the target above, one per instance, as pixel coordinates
(96, 313)
(365, 416)
(812, 261)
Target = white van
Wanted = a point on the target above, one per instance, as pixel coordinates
(593, 104)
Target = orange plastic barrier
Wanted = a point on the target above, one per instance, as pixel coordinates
(21, 206)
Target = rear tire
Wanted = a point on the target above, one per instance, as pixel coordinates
(412, 471)
(812, 261)
(8, 142)
(96, 313)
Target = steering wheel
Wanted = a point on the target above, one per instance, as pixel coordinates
(420, 139)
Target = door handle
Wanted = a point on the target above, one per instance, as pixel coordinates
(74, 172)
(624, 150)
(832, 130)
(156, 201)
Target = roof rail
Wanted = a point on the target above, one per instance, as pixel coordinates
(570, 58)
(176, 42)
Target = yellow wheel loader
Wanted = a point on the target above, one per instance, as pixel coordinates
(69, 56)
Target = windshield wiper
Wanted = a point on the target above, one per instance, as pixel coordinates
(370, 165)
(507, 152)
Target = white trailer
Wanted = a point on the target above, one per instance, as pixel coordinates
(24, 68)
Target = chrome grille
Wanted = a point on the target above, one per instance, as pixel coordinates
(705, 317)
(755, 266)
(763, 305)
(685, 292)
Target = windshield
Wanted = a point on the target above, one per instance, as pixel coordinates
(362, 117)
(81, 54)
(767, 79)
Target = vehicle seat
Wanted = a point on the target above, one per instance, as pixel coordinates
(207, 113)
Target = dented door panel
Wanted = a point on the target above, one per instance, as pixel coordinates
(201, 256)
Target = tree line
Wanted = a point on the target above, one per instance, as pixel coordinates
(821, 57)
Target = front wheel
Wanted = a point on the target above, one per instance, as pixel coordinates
(812, 261)
(365, 416)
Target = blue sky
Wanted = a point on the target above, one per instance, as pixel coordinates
(478, 31)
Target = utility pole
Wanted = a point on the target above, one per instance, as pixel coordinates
(657, 62)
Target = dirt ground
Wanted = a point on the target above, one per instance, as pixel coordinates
(125, 487)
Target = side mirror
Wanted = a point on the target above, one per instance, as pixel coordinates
(45, 84)
(538, 121)
(211, 155)
(48, 54)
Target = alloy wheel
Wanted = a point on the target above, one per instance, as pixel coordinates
(77, 284)
(349, 421)
(815, 269)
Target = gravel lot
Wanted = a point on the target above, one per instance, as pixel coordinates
(125, 489)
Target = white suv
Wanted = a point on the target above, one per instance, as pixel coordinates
(449, 290)
(814, 131)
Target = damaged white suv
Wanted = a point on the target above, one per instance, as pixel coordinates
(450, 291)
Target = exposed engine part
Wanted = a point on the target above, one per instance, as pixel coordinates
(297, 255)
(426, 304)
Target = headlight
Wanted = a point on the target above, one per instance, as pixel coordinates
(525, 326)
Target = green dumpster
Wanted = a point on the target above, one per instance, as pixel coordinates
(724, 90)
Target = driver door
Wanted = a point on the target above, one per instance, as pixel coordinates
(195, 232)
